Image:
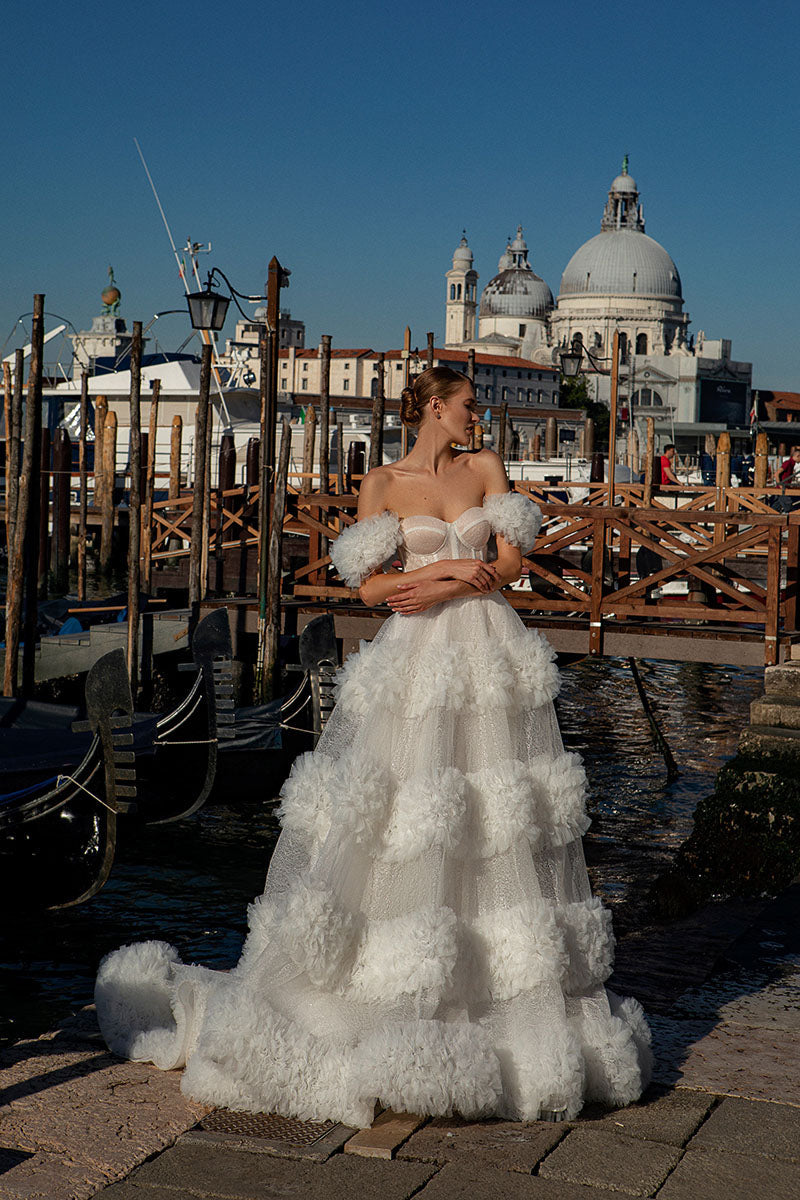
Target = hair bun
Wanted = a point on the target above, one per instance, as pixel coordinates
(410, 407)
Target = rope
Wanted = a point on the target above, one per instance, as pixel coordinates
(204, 742)
(77, 782)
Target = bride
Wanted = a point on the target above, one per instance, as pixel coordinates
(427, 938)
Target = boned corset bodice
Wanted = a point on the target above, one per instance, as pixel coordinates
(429, 539)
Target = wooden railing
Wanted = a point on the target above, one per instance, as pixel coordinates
(736, 559)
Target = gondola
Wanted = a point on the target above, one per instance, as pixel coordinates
(62, 795)
(177, 753)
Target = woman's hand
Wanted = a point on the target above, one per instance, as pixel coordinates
(480, 575)
(411, 598)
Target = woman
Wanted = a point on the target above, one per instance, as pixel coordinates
(427, 938)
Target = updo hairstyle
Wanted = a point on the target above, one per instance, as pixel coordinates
(435, 381)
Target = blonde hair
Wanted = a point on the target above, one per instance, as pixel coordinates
(435, 381)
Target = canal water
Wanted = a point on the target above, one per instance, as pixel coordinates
(189, 883)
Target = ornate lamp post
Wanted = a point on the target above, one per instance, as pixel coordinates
(570, 366)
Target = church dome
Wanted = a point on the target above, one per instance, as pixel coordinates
(516, 291)
(621, 262)
(462, 254)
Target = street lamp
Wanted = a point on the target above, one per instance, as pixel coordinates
(208, 309)
(570, 366)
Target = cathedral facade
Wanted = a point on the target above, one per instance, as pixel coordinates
(620, 279)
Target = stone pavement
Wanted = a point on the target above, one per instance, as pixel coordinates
(721, 1121)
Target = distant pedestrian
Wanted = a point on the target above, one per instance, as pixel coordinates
(668, 475)
(789, 474)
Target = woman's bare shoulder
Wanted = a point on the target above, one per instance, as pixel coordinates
(375, 487)
(491, 470)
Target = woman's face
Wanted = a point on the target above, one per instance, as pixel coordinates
(458, 415)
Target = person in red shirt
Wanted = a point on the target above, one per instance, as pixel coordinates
(790, 467)
(668, 475)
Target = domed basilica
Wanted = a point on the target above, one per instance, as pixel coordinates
(619, 279)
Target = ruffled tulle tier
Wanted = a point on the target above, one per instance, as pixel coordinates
(427, 938)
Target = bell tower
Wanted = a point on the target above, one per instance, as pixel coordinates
(462, 297)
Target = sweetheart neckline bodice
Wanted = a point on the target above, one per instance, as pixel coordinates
(440, 520)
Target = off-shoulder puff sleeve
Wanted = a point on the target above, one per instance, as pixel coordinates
(362, 547)
(515, 518)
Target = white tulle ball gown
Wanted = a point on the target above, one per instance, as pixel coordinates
(427, 938)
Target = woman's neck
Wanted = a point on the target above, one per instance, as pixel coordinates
(431, 453)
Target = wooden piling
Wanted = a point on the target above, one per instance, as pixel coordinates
(340, 459)
(551, 438)
(309, 442)
(723, 482)
(15, 461)
(588, 437)
(62, 473)
(44, 513)
(649, 463)
(106, 487)
(430, 352)
(175, 440)
(378, 415)
(471, 365)
(251, 462)
(633, 451)
(761, 468)
(135, 508)
(325, 414)
(536, 450)
(226, 480)
(270, 680)
(100, 414)
(149, 491)
(19, 463)
(502, 431)
(33, 443)
(83, 488)
(198, 499)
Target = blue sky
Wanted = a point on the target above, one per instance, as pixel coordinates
(355, 142)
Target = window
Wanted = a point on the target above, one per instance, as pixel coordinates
(305, 366)
(452, 291)
(283, 384)
(522, 329)
(346, 385)
(540, 396)
(347, 366)
(530, 395)
(539, 376)
(398, 366)
(489, 391)
(505, 391)
(458, 292)
(304, 384)
(623, 347)
(504, 374)
(641, 343)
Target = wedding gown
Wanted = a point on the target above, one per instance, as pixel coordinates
(427, 937)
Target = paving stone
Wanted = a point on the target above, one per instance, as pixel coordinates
(508, 1145)
(708, 1175)
(752, 1127)
(209, 1171)
(729, 1060)
(783, 680)
(602, 1159)
(661, 1116)
(465, 1180)
(51, 1177)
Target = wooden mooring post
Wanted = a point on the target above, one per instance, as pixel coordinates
(62, 473)
(149, 491)
(106, 489)
(502, 431)
(29, 524)
(198, 499)
(17, 498)
(340, 458)
(309, 442)
(13, 414)
(378, 414)
(270, 682)
(175, 439)
(429, 354)
(649, 462)
(135, 508)
(44, 512)
(761, 467)
(83, 490)
(324, 432)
